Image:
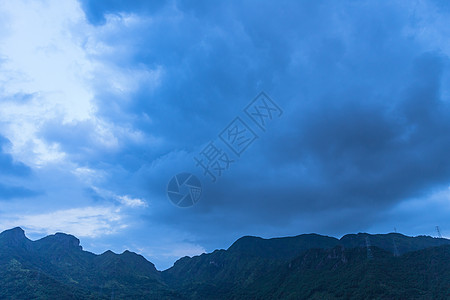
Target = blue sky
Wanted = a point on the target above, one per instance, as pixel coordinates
(102, 102)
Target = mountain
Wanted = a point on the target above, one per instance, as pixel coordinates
(57, 265)
(252, 265)
(281, 248)
(341, 273)
(308, 266)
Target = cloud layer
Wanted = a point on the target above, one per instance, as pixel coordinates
(104, 101)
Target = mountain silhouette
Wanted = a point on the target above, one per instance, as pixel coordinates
(308, 266)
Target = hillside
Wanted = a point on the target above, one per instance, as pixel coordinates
(308, 266)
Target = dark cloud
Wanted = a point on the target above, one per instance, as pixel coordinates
(7, 165)
(11, 168)
(372, 91)
(96, 10)
(14, 192)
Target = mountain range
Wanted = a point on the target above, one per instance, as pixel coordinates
(307, 266)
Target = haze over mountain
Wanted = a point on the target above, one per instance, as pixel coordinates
(307, 266)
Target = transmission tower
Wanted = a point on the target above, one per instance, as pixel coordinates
(438, 232)
(395, 248)
(369, 251)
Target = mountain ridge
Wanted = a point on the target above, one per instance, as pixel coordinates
(404, 243)
(250, 267)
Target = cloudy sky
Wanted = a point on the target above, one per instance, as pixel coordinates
(103, 102)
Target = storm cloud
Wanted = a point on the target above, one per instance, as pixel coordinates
(365, 128)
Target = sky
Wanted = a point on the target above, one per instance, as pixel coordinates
(102, 103)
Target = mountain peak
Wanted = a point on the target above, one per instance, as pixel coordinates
(16, 231)
(282, 248)
(14, 237)
(62, 240)
(68, 238)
